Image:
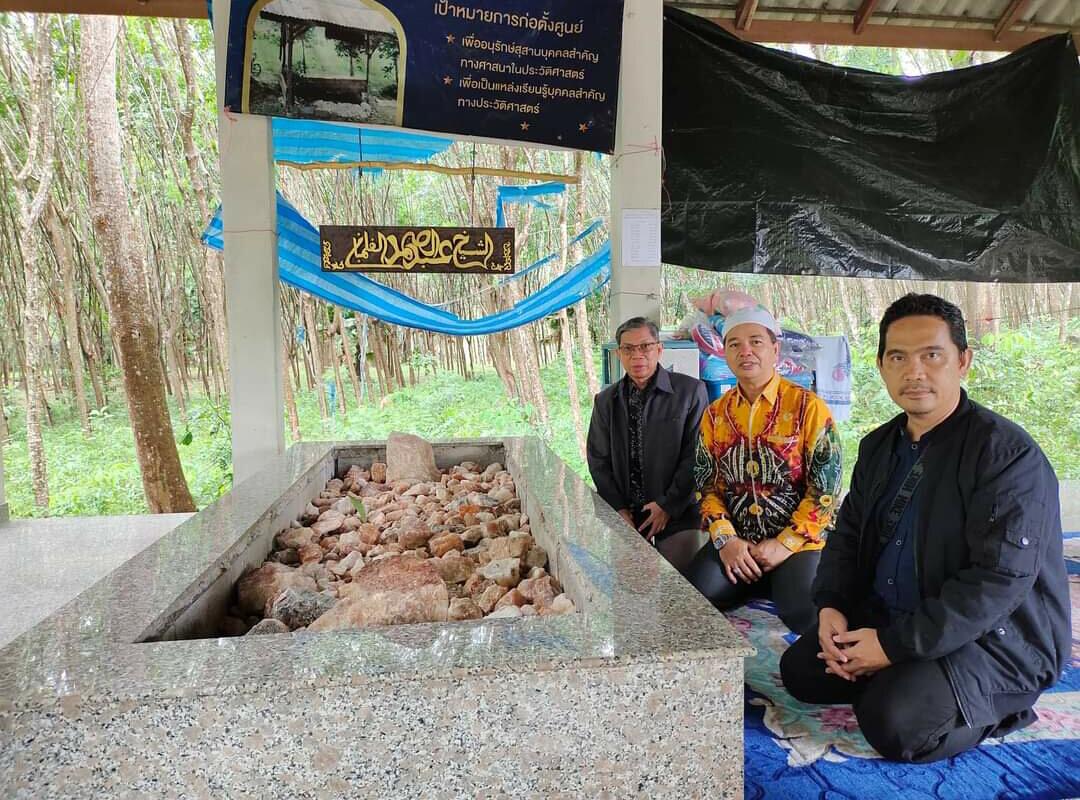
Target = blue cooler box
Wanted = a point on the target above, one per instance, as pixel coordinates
(716, 375)
(803, 379)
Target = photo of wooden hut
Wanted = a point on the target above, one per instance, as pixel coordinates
(326, 59)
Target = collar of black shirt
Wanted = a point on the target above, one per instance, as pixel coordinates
(660, 380)
(903, 441)
(939, 431)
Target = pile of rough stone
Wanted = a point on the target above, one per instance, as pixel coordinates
(429, 546)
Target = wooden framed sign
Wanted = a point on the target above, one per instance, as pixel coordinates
(379, 248)
(502, 69)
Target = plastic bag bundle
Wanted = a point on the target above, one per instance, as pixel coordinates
(794, 342)
(723, 302)
(797, 353)
(707, 340)
(689, 322)
(788, 366)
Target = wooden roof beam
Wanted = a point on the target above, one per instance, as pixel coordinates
(911, 36)
(193, 9)
(1012, 11)
(863, 14)
(744, 14)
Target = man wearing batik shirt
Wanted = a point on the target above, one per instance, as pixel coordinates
(768, 470)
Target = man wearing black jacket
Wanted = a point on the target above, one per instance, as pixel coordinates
(942, 593)
(643, 436)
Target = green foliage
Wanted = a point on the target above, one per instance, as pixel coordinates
(873, 59)
(100, 475)
(1024, 374)
(208, 421)
(314, 54)
(890, 60)
(1028, 377)
(419, 360)
(447, 406)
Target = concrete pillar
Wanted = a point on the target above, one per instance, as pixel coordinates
(636, 167)
(252, 293)
(3, 496)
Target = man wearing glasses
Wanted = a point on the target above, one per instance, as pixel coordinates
(643, 436)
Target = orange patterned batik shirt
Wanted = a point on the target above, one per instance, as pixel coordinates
(770, 469)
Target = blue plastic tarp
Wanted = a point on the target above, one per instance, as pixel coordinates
(590, 228)
(524, 194)
(304, 142)
(299, 265)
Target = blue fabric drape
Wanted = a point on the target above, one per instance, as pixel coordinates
(299, 265)
(301, 141)
(590, 228)
(524, 194)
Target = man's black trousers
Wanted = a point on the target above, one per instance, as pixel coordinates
(907, 711)
(788, 586)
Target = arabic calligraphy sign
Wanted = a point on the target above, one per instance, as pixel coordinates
(379, 248)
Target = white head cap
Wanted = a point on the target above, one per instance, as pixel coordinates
(758, 315)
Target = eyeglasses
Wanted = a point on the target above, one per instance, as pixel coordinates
(631, 349)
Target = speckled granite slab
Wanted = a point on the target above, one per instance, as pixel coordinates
(1070, 505)
(50, 561)
(640, 694)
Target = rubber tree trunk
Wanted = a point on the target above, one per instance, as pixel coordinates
(567, 339)
(211, 276)
(290, 400)
(69, 315)
(33, 181)
(315, 347)
(133, 331)
(581, 312)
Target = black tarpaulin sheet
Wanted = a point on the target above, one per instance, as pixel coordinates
(780, 164)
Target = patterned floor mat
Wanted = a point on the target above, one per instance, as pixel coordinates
(796, 751)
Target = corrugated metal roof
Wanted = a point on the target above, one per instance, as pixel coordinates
(1051, 14)
(342, 13)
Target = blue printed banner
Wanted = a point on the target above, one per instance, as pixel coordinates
(507, 69)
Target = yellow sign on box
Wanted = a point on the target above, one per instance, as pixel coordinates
(377, 248)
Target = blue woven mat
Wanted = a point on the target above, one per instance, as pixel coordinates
(796, 751)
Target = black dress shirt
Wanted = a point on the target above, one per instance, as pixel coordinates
(636, 401)
(896, 581)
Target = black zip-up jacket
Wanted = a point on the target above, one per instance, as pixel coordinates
(672, 421)
(988, 553)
